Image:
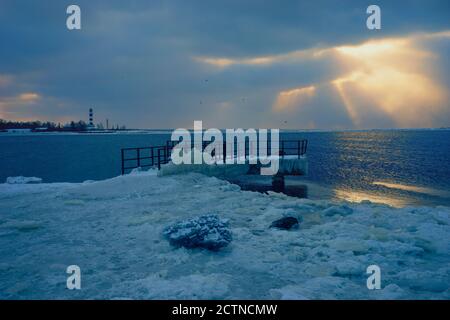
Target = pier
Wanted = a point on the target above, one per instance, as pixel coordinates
(291, 158)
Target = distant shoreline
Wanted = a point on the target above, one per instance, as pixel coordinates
(168, 131)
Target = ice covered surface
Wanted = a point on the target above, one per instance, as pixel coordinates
(113, 230)
(208, 231)
(288, 165)
(23, 180)
(213, 170)
(293, 165)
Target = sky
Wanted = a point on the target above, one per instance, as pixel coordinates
(234, 63)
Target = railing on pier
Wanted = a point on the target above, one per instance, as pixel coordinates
(147, 157)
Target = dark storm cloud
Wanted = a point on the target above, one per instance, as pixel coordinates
(134, 61)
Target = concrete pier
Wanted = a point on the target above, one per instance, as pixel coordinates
(288, 165)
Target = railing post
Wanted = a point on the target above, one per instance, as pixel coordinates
(159, 159)
(152, 156)
(166, 154)
(168, 147)
(138, 157)
(224, 151)
(246, 149)
(123, 161)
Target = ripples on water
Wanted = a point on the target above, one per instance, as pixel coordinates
(397, 167)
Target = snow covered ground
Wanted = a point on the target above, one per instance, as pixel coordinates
(113, 229)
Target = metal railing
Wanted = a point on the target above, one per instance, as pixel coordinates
(146, 157)
(155, 156)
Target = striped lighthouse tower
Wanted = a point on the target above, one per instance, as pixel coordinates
(91, 118)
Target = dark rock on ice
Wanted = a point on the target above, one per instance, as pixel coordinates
(206, 231)
(285, 223)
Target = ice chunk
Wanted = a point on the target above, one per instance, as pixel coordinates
(390, 292)
(194, 286)
(207, 231)
(22, 226)
(22, 180)
(342, 210)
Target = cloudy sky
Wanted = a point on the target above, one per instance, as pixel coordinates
(230, 63)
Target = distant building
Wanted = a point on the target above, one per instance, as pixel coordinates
(41, 129)
(18, 130)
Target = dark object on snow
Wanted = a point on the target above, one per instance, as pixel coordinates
(207, 232)
(285, 223)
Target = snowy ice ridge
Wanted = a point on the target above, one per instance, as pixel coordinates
(114, 231)
(23, 180)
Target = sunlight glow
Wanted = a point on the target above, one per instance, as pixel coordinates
(227, 62)
(290, 99)
(388, 77)
(28, 97)
(359, 196)
(395, 79)
(8, 105)
(223, 62)
(424, 190)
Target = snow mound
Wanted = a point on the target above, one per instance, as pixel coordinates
(195, 286)
(207, 232)
(22, 226)
(23, 180)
